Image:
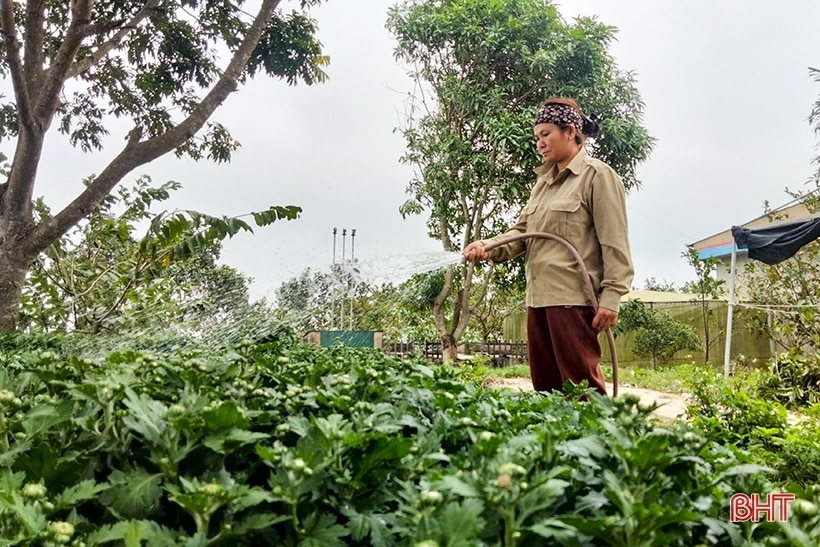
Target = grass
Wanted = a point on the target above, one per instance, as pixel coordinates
(669, 379)
(675, 379)
(514, 371)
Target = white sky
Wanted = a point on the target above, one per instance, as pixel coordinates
(727, 92)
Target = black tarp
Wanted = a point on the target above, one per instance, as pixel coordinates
(774, 244)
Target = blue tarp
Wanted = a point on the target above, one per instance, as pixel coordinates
(774, 244)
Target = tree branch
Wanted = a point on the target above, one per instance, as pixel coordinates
(56, 74)
(105, 48)
(18, 81)
(139, 153)
(35, 33)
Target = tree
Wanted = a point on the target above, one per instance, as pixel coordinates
(657, 334)
(814, 121)
(104, 277)
(151, 63)
(707, 287)
(482, 69)
(504, 297)
(307, 300)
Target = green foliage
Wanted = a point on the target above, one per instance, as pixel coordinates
(420, 291)
(163, 62)
(308, 301)
(513, 371)
(652, 284)
(706, 286)
(670, 379)
(288, 49)
(733, 415)
(104, 276)
(312, 446)
(792, 379)
(814, 120)
(657, 334)
(797, 459)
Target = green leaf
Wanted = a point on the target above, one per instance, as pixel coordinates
(381, 454)
(258, 521)
(540, 496)
(376, 525)
(225, 416)
(85, 490)
(743, 469)
(250, 498)
(459, 487)
(134, 495)
(147, 416)
(323, 531)
(461, 523)
(8, 458)
(134, 533)
(44, 417)
(32, 518)
(555, 530)
(232, 438)
(584, 448)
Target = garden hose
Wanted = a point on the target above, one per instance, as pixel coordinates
(590, 289)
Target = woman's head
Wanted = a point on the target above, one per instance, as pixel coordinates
(564, 112)
(560, 130)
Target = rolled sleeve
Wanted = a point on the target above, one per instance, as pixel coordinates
(508, 251)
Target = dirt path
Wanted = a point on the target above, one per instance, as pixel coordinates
(670, 405)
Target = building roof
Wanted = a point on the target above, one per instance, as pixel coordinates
(658, 297)
(720, 244)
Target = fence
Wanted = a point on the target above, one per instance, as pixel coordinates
(501, 354)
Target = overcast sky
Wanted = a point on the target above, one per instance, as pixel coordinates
(727, 92)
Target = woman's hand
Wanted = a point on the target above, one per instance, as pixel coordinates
(475, 252)
(605, 319)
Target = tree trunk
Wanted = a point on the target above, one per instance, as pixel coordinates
(13, 269)
(449, 353)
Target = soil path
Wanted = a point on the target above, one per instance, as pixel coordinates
(670, 405)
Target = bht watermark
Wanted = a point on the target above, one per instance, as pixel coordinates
(773, 507)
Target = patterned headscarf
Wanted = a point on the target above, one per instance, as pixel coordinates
(560, 114)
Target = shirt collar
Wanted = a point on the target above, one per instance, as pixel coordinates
(574, 165)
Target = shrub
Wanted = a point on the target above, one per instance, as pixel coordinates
(792, 379)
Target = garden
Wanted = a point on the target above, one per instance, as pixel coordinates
(277, 442)
(146, 400)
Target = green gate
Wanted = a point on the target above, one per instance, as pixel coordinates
(349, 338)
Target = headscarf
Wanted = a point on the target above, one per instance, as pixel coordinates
(561, 115)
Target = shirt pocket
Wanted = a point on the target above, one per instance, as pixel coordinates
(565, 218)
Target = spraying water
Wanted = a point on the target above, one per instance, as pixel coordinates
(395, 269)
(223, 318)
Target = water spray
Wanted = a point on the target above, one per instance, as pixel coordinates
(590, 289)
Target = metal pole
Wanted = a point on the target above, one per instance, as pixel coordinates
(728, 350)
(339, 280)
(332, 296)
(334, 246)
(352, 262)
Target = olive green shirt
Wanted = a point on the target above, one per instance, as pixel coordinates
(586, 205)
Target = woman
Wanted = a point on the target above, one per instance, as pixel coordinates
(582, 200)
